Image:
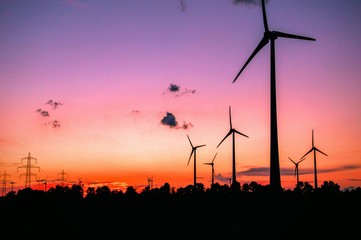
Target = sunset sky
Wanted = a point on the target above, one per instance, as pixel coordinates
(107, 91)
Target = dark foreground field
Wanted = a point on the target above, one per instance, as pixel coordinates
(164, 213)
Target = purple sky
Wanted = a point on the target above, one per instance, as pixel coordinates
(117, 70)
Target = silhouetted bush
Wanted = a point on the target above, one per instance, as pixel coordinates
(250, 211)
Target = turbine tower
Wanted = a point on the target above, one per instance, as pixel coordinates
(271, 36)
(193, 152)
(296, 168)
(314, 150)
(150, 182)
(212, 164)
(232, 131)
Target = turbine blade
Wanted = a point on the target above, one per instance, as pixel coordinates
(260, 45)
(302, 159)
(189, 140)
(240, 133)
(230, 118)
(312, 139)
(288, 35)
(318, 150)
(200, 146)
(207, 163)
(214, 157)
(307, 153)
(190, 156)
(291, 160)
(229, 133)
(264, 17)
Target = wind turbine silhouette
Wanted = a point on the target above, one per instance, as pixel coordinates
(150, 182)
(314, 150)
(232, 131)
(212, 164)
(193, 152)
(271, 36)
(296, 168)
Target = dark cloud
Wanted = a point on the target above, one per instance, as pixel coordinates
(43, 113)
(169, 120)
(257, 171)
(174, 88)
(54, 104)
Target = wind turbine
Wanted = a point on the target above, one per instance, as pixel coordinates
(232, 131)
(296, 168)
(193, 152)
(314, 150)
(271, 36)
(150, 182)
(212, 164)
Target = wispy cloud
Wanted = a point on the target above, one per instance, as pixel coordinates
(45, 113)
(265, 171)
(53, 124)
(222, 178)
(178, 91)
(54, 104)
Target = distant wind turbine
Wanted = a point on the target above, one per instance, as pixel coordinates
(150, 182)
(193, 152)
(275, 177)
(232, 131)
(296, 168)
(314, 150)
(212, 164)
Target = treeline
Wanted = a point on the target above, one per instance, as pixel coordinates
(250, 211)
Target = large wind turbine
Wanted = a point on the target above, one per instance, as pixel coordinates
(232, 131)
(212, 164)
(296, 168)
(314, 150)
(271, 36)
(193, 152)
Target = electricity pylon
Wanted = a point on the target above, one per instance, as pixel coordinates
(62, 178)
(28, 168)
(4, 181)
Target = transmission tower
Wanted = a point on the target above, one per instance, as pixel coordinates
(62, 177)
(4, 181)
(12, 186)
(28, 168)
